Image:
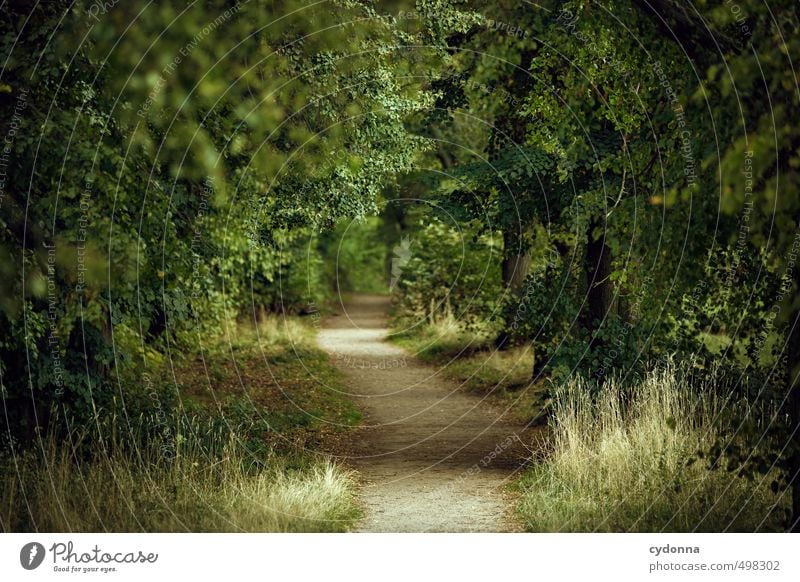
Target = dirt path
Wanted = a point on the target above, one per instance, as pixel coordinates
(433, 458)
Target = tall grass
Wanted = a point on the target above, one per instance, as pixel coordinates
(224, 462)
(626, 459)
(59, 487)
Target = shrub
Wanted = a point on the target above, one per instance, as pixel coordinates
(450, 274)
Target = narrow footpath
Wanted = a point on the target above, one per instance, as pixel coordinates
(432, 457)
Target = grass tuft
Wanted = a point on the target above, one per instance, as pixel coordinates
(161, 490)
(628, 460)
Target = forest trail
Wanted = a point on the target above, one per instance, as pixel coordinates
(432, 457)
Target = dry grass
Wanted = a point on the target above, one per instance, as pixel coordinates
(158, 490)
(626, 460)
(231, 456)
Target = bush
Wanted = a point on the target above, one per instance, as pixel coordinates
(449, 274)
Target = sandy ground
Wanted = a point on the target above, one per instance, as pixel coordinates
(432, 458)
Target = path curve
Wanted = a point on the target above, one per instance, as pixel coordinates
(432, 457)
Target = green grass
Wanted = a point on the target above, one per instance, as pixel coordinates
(470, 358)
(628, 467)
(243, 450)
(274, 376)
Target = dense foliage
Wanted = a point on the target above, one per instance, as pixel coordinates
(613, 183)
(145, 204)
(639, 163)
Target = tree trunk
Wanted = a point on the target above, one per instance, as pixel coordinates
(793, 385)
(513, 270)
(600, 291)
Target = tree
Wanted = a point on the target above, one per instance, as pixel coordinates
(157, 186)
